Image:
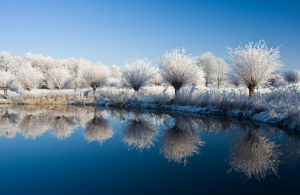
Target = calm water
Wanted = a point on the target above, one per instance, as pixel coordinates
(86, 150)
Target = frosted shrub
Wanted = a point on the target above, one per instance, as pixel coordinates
(137, 73)
(254, 64)
(179, 69)
(6, 82)
(29, 77)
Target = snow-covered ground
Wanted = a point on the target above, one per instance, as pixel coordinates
(270, 105)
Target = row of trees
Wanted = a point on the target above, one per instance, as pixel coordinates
(251, 65)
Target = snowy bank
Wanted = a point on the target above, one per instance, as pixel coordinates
(274, 106)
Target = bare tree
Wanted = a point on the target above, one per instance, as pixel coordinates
(220, 70)
(57, 78)
(254, 64)
(179, 69)
(292, 76)
(137, 73)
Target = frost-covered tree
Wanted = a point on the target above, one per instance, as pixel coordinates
(6, 82)
(115, 76)
(137, 73)
(95, 75)
(208, 63)
(220, 70)
(57, 78)
(28, 76)
(179, 69)
(292, 76)
(44, 64)
(6, 61)
(254, 64)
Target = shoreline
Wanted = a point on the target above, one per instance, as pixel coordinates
(261, 117)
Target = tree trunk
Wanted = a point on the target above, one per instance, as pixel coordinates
(251, 90)
(94, 93)
(5, 93)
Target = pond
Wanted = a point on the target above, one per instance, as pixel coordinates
(89, 150)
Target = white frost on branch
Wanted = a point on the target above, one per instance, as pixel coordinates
(179, 69)
(137, 73)
(57, 78)
(28, 77)
(253, 64)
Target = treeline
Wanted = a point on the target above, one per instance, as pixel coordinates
(252, 65)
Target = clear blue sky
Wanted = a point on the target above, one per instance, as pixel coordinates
(115, 31)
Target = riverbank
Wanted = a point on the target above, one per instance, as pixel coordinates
(278, 106)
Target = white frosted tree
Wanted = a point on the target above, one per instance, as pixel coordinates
(57, 78)
(208, 63)
(292, 76)
(44, 64)
(179, 69)
(115, 76)
(28, 76)
(137, 73)
(253, 64)
(6, 82)
(6, 61)
(220, 70)
(95, 75)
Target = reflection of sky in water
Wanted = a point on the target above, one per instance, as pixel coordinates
(86, 150)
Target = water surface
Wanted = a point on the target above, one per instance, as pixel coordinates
(87, 150)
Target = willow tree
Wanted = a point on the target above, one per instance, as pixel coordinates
(179, 69)
(253, 64)
(137, 73)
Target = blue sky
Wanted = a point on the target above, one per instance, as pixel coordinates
(116, 31)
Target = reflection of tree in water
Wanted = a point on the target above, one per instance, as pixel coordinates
(62, 126)
(98, 129)
(139, 133)
(31, 126)
(254, 156)
(181, 141)
(8, 124)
